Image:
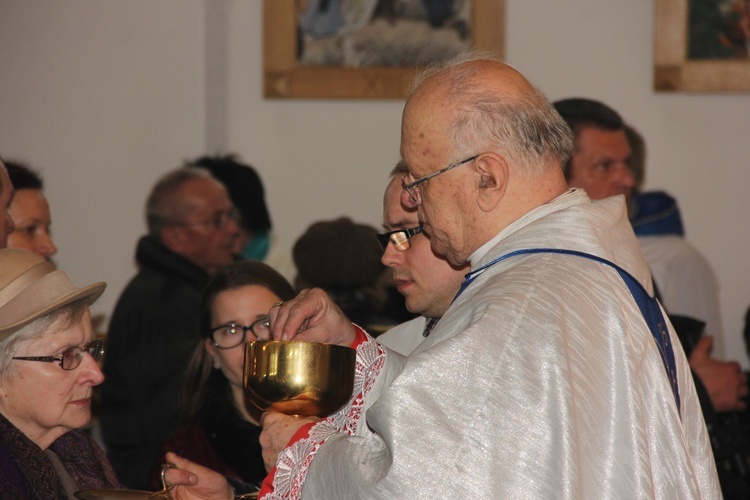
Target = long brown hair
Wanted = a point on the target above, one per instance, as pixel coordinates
(205, 388)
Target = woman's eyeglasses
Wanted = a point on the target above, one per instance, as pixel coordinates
(399, 238)
(232, 334)
(71, 358)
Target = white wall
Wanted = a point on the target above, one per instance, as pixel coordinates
(104, 96)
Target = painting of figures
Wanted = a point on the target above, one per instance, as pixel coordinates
(360, 33)
(369, 49)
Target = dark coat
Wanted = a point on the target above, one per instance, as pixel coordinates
(152, 333)
(28, 472)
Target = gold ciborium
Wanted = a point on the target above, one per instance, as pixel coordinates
(298, 378)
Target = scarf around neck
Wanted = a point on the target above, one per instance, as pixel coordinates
(27, 472)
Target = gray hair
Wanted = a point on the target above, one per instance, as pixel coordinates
(164, 204)
(527, 128)
(59, 319)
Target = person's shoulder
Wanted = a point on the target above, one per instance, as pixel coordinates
(405, 337)
(152, 287)
(156, 263)
(672, 248)
(142, 295)
(145, 282)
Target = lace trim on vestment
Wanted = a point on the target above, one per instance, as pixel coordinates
(294, 462)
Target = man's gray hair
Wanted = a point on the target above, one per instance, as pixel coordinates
(164, 205)
(527, 128)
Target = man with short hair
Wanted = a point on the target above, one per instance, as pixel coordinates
(257, 240)
(600, 165)
(552, 373)
(609, 159)
(427, 281)
(6, 195)
(192, 227)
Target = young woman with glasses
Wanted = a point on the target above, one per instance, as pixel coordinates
(221, 427)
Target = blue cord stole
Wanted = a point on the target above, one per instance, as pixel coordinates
(648, 305)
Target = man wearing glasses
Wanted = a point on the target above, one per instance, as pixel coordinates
(427, 281)
(192, 228)
(551, 374)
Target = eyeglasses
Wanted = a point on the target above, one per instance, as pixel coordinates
(71, 358)
(412, 186)
(232, 334)
(399, 238)
(218, 221)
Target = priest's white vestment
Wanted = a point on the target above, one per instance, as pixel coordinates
(542, 380)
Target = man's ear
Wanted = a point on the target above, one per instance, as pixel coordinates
(493, 180)
(173, 237)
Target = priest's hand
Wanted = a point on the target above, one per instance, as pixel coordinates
(194, 482)
(277, 433)
(724, 381)
(311, 316)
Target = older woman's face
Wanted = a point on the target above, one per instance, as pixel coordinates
(43, 400)
(242, 306)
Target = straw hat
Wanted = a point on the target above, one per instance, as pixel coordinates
(31, 287)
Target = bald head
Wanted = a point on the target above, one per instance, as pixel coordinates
(503, 141)
(486, 103)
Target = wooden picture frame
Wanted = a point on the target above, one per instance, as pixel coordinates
(673, 71)
(285, 78)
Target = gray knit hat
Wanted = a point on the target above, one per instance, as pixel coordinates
(31, 287)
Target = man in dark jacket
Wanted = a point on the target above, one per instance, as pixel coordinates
(192, 227)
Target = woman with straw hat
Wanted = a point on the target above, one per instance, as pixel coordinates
(48, 369)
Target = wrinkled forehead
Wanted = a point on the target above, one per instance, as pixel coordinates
(425, 150)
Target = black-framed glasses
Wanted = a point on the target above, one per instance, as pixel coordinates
(412, 186)
(218, 221)
(399, 238)
(232, 334)
(71, 358)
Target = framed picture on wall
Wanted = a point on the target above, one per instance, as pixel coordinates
(368, 49)
(702, 46)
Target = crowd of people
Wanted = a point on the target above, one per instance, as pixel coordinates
(542, 349)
